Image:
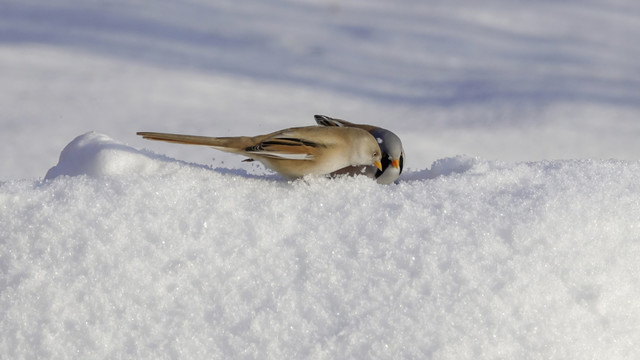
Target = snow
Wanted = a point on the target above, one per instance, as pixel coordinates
(526, 247)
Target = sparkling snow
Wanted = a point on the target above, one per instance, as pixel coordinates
(526, 247)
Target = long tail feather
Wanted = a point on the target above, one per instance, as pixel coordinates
(232, 144)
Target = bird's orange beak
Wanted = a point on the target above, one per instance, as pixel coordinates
(395, 163)
(378, 164)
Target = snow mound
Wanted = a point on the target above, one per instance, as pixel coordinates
(98, 155)
(470, 259)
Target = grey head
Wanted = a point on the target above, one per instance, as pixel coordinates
(392, 155)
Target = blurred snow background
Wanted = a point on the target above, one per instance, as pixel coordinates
(525, 248)
(500, 80)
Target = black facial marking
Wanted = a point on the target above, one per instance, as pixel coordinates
(386, 161)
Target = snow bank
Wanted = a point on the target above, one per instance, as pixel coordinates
(125, 253)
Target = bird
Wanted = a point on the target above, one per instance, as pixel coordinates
(294, 152)
(390, 147)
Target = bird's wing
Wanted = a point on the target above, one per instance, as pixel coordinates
(286, 145)
(323, 120)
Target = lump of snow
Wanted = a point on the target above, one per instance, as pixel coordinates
(98, 155)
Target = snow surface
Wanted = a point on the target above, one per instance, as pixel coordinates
(141, 256)
(115, 247)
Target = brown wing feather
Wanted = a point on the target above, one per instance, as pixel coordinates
(333, 122)
(286, 148)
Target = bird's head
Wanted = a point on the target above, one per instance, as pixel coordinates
(392, 159)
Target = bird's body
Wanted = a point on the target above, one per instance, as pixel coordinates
(390, 147)
(294, 152)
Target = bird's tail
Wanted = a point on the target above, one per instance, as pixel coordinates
(230, 144)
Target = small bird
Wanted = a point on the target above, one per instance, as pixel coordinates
(390, 146)
(294, 152)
